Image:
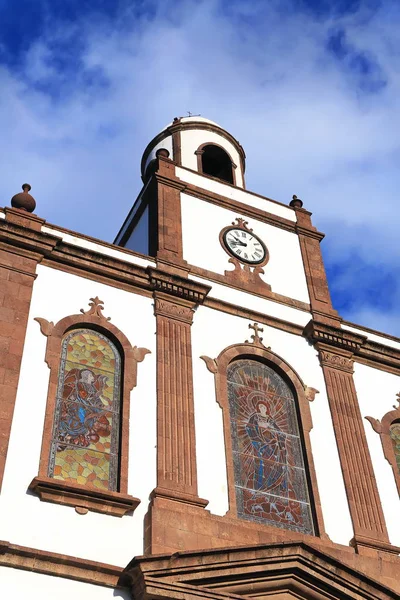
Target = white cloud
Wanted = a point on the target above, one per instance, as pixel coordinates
(261, 72)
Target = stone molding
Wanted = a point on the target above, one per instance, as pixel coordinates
(59, 565)
(83, 497)
(383, 429)
(259, 351)
(292, 570)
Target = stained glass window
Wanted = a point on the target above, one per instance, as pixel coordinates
(270, 479)
(85, 438)
(394, 431)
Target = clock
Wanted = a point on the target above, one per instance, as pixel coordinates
(244, 245)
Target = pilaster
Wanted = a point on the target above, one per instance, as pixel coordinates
(336, 349)
(175, 299)
(22, 247)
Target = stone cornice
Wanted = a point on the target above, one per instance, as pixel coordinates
(177, 286)
(320, 333)
(354, 346)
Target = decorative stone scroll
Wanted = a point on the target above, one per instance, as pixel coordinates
(389, 431)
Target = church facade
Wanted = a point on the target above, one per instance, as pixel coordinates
(183, 413)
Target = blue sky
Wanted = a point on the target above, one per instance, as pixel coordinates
(310, 88)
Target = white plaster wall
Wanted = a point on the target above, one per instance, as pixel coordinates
(376, 391)
(380, 339)
(53, 527)
(245, 300)
(165, 143)
(2, 214)
(228, 191)
(191, 139)
(201, 226)
(212, 332)
(107, 250)
(16, 584)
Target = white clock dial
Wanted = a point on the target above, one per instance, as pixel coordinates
(245, 246)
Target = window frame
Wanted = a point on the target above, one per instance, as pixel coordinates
(219, 367)
(383, 429)
(199, 153)
(84, 498)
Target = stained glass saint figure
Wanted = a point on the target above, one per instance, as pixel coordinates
(85, 439)
(270, 478)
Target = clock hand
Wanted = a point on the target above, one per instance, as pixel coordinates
(239, 242)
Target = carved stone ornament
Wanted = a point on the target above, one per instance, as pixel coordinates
(310, 393)
(173, 310)
(96, 308)
(257, 340)
(385, 430)
(337, 361)
(244, 274)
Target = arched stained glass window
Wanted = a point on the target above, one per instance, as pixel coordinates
(394, 431)
(270, 478)
(85, 438)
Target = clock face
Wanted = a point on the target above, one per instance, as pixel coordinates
(245, 246)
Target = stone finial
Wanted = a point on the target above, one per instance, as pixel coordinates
(23, 200)
(296, 202)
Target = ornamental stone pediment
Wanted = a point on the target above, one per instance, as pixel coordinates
(282, 571)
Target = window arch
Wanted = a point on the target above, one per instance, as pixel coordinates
(86, 428)
(389, 431)
(84, 456)
(270, 479)
(267, 423)
(213, 160)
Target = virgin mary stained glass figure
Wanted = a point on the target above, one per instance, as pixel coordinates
(270, 478)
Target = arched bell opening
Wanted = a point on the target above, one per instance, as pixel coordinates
(216, 162)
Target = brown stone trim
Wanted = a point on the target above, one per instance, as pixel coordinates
(317, 283)
(291, 569)
(169, 219)
(336, 349)
(219, 367)
(252, 315)
(181, 287)
(369, 330)
(250, 193)
(383, 429)
(176, 147)
(358, 475)
(22, 247)
(200, 151)
(130, 355)
(239, 207)
(82, 498)
(262, 291)
(59, 565)
(176, 443)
